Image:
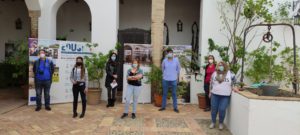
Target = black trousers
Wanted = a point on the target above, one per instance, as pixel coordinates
(207, 99)
(111, 93)
(77, 88)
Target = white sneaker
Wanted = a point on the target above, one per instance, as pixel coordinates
(221, 126)
(212, 125)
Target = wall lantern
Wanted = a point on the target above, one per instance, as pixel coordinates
(179, 26)
(18, 23)
(90, 26)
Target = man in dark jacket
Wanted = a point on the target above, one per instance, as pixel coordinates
(43, 69)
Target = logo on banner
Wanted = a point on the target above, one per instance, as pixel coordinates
(74, 48)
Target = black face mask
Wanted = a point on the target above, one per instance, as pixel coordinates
(78, 63)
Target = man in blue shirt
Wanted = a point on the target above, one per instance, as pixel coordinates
(171, 70)
(43, 69)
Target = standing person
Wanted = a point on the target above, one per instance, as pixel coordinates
(43, 69)
(171, 70)
(209, 70)
(134, 77)
(222, 85)
(79, 78)
(111, 77)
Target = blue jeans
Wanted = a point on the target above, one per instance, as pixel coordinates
(39, 87)
(166, 84)
(219, 105)
(132, 91)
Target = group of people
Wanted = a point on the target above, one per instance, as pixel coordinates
(218, 84)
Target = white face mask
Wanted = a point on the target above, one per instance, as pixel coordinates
(170, 55)
(42, 55)
(210, 61)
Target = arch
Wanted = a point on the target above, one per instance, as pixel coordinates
(73, 20)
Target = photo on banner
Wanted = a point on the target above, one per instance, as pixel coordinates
(63, 54)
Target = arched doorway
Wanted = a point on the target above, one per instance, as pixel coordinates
(74, 21)
(14, 25)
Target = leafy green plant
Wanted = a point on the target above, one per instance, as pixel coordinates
(20, 60)
(95, 65)
(233, 12)
(155, 78)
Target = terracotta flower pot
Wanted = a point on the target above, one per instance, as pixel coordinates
(157, 100)
(201, 101)
(94, 96)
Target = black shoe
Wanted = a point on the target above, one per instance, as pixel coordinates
(75, 115)
(38, 109)
(82, 115)
(113, 102)
(162, 109)
(124, 115)
(176, 110)
(206, 109)
(133, 116)
(48, 108)
(108, 103)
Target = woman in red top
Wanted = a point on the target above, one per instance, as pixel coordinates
(209, 70)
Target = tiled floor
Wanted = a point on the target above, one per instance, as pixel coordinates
(102, 121)
(11, 99)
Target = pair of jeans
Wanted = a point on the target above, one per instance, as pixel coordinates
(219, 105)
(111, 93)
(166, 84)
(132, 91)
(207, 99)
(39, 87)
(77, 88)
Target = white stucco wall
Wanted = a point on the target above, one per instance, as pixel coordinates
(10, 11)
(104, 21)
(137, 14)
(262, 117)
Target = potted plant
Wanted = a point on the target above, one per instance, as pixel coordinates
(263, 68)
(201, 100)
(155, 78)
(95, 65)
(19, 60)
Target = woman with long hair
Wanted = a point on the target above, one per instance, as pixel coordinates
(111, 77)
(209, 70)
(79, 79)
(222, 85)
(134, 77)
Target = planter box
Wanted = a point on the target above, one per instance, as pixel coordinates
(250, 114)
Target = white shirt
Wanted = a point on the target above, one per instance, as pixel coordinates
(224, 88)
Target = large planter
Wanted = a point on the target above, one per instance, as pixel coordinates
(269, 90)
(94, 96)
(157, 100)
(201, 100)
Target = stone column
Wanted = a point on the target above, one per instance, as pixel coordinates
(34, 19)
(157, 30)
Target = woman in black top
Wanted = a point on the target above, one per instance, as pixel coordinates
(111, 77)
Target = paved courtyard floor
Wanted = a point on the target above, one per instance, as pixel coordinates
(102, 121)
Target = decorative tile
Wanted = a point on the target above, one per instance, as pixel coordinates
(171, 123)
(126, 133)
(175, 133)
(204, 124)
(128, 122)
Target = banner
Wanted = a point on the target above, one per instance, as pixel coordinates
(143, 52)
(63, 55)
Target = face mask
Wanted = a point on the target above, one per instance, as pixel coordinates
(78, 63)
(210, 61)
(170, 55)
(113, 58)
(42, 55)
(134, 65)
(221, 68)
